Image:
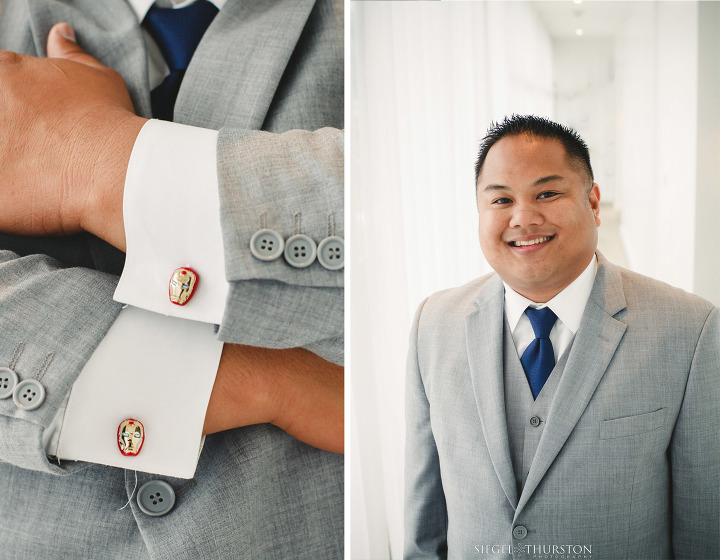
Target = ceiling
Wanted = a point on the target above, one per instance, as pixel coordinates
(596, 18)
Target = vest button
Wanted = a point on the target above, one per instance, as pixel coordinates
(534, 421)
(520, 532)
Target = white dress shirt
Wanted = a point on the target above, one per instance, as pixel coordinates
(568, 306)
(158, 361)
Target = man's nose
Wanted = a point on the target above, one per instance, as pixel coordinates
(525, 215)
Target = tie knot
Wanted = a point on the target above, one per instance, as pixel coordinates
(542, 321)
(177, 32)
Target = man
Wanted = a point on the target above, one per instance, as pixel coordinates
(268, 76)
(561, 407)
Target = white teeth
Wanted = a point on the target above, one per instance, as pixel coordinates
(532, 242)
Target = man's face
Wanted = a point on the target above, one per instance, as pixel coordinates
(538, 223)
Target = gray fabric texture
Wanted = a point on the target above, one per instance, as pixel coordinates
(257, 493)
(627, 462)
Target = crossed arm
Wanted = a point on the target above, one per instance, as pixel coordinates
(68, 131)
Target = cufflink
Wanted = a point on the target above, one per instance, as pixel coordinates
(130, 436)
(182, 285)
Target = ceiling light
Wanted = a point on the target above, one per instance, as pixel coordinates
(577, 1)
(579, 32)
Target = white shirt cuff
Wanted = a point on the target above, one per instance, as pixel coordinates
(156, 369)
(171, 210)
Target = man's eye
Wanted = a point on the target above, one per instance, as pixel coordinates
(547, 194)
(501, 201)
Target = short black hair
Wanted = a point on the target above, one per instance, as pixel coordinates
(575, 147)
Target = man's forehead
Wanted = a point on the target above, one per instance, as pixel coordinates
(530, 157)
(520, 148)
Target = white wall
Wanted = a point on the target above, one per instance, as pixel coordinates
(707, 203)
(656, 60)
(584, 90)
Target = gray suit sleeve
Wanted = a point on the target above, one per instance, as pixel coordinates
(425, 508)
(57, 316)
(294, 181)
(695, 453)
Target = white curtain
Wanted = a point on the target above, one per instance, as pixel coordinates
(426, 81)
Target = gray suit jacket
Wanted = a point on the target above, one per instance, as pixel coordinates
(629, 460)
(266, 74)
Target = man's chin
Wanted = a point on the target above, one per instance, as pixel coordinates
(535, 285)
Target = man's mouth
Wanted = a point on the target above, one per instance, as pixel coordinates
(530, 242)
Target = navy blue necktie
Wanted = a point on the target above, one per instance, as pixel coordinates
(538, 360)
(177, 34)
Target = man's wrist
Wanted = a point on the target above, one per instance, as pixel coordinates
(244, 392)
(291, 388)
(108, 148)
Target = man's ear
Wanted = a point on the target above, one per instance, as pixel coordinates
(594, 199)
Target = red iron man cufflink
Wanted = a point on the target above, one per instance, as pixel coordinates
(130, 436)
(182, 285)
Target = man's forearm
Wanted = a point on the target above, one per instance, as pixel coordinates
(291, 388)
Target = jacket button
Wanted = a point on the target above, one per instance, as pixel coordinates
(520, 532)
(534, 421)
(331, 252)
(28, 394)
(156, 498)
(8, 380)
(300, 251)
(266, 245)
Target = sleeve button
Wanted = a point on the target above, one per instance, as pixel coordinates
(8, 380)
(266, 245)
(331, 253)
(300, 251)
(29, 394)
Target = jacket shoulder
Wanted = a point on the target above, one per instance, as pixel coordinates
(642, 292)
(454, 304)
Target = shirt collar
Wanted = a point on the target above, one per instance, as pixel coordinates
(141, 7)
(568, 305)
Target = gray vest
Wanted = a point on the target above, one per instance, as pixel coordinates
(525, 417)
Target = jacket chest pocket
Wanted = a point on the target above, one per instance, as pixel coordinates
(632, 425)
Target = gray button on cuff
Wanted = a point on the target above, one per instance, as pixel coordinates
(331, 252)
(266, 245)
(300, 251)
(519, 532)
(29, 394)
(156, 498)
(8, 380)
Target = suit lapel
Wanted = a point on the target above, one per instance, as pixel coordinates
(484, 336)
(237, 66)
(594, 346)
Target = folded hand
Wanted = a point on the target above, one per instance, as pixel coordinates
(68, 128)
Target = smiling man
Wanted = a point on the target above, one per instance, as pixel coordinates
(561, 406)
